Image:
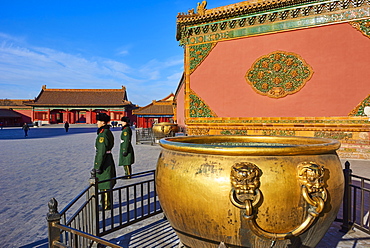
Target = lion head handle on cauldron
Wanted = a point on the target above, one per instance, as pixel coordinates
(245, 182)
(245, 178)
(311, 176)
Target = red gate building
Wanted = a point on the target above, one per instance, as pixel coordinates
(155, 112)
(54, 106)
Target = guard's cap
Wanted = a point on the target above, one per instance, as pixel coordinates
(125, 119)
(102, 117)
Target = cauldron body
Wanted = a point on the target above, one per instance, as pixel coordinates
(249, 191)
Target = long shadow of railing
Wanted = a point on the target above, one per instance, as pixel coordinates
(42, 243)
(156, 234)
(44, 132)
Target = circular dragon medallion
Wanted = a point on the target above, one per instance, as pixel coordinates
(278, 74)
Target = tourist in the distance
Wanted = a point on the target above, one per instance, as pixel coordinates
(104, 163)
(126, 154)
(25, 128)
(66, 126)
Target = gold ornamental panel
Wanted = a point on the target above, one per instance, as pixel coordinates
(278, 74)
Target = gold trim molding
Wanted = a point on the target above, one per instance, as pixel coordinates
(363, 26)
(198, 53)
(359, 110)
(198, 107)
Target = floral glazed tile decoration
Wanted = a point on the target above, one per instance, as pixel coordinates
(278, 74)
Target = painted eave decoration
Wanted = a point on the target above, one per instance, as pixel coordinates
(250, 18)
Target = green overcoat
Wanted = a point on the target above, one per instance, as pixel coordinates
(126, 147)
(103, 157)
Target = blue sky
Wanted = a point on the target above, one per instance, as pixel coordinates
(89, 44)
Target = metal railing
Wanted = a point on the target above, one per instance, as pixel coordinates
(144, 135)
(132, 203)
(356, 207)
(76, 236)
(81, 222)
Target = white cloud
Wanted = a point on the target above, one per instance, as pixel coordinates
(154, 68)
(123, 52)
(25, 68)
(4, 36)
(117, 66)
(174, 62)
(176, 76)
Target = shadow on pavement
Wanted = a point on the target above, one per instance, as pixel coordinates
(43, 243)
(36, 133)
(157, 234)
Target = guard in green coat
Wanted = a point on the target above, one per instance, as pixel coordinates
(126, 154)
(104, 163)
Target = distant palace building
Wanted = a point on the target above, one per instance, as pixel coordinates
(155, 112)
(287, 68)
(53, 106)
(14, 112)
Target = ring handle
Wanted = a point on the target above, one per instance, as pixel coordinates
(245, 185)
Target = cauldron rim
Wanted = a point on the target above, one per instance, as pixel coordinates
(295, 145)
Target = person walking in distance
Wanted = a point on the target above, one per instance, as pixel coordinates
(66, 126)
(126, 155)
(104, 163)
(25, 128)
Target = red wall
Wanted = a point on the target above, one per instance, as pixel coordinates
(338, 54)
(148, 122)
(26, 115)
(180, 107)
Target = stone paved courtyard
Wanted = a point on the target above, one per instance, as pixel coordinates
(52, 163)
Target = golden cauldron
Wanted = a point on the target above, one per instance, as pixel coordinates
(164, 129)
(249, 191)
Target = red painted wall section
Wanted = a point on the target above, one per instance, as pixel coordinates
(180, 108)
(338, 54)
(26, 115)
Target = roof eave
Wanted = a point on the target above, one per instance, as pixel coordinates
(79, 105)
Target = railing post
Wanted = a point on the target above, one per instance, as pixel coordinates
(93, 180)
(53, 217)
(347, 198)
(152, 138)
(137, 136)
